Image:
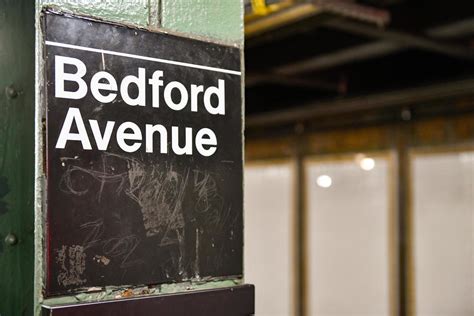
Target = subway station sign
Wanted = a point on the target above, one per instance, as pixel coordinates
(144, 156)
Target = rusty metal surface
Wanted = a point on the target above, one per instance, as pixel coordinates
(235, 301)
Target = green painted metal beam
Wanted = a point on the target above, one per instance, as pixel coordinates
(218, 20)
(135, 12)
(17, 106)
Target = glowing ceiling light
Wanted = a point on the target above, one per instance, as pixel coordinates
(324, 181)
(367, 164)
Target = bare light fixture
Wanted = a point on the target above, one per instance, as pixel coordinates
(367, 163)
(324, 181)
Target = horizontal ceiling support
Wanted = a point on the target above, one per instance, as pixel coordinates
(401, 38)
(360, 52)
(371, 50)
(281, 18)
(457, 29)
(397, 98)
(355, 11)
(301, 11)
(253, 79)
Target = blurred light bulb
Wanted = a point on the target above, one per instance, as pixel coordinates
(367, 164)
(324, 181)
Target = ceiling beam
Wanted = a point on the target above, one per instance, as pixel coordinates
(369, 102)
(304, 10)
(372, 50)
(254, 79)
(355, 53)
(457, 29)
(404, 39)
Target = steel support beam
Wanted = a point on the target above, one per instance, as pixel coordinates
(401, 38)
(360, 52)
(457, 29)
(371, 50)
(254, 79)
(309, 9)
(368, 102)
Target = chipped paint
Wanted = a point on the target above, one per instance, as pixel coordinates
(134, 12)
(72, 260)
(110, 293)
(218, 19)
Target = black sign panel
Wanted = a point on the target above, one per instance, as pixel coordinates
(144, 156)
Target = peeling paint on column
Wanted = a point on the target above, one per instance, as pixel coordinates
(218, 19)
(127, 11)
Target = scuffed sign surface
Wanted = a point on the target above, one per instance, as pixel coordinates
(133, 218)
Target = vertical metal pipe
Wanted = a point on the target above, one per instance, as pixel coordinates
(301, 245)
(403, 220)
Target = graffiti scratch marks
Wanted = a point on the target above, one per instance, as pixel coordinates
(171, 218)
(68, 185)
(94, 229)
(158, 190)
(122, 247)
(209, 202)
(160, 193)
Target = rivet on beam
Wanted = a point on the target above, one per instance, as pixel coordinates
(11, 239)
(11, 92)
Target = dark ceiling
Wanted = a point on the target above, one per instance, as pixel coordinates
(330, 56)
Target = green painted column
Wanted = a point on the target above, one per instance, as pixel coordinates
(21, 125)
(17, 136)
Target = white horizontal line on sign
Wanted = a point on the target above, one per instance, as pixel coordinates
(158, 60)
